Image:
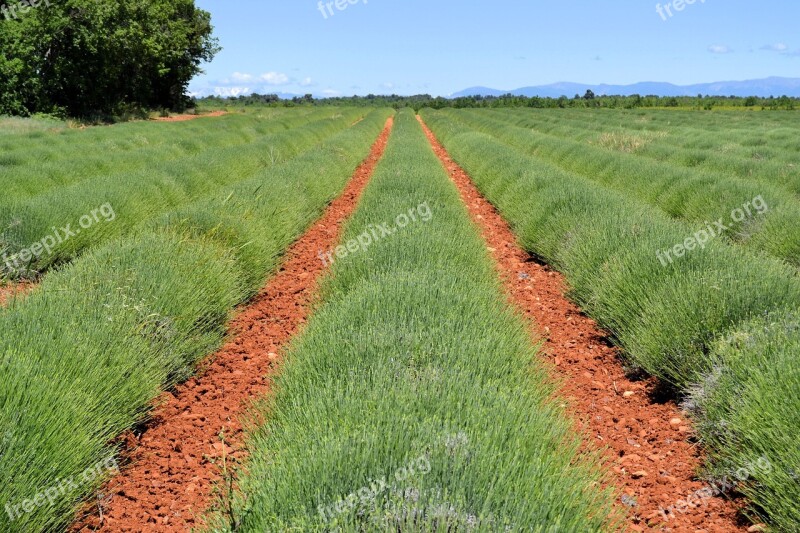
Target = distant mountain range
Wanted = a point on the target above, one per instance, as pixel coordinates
(762, 88)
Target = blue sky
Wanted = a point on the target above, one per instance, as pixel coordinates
(443, 46)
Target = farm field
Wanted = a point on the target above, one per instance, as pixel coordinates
(362, 319)
(69, 212)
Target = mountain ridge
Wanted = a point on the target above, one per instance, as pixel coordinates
(764, 88)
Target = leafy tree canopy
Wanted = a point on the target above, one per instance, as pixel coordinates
(91, 57)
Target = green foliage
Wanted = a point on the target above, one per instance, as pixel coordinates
(93, 57)
(137, 192)
(416, 359)
(749, 408)
(753, 147)
(421, 101)
(667, 318)
(83, 356)
(698, 197)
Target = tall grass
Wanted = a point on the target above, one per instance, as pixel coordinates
(667, 318)
(766, 151)
(413, 401)
(83, 355)
(749, 414)
(10, 126)
(139, 195)
(33, 166)
(696, 197)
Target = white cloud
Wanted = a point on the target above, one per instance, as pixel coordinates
(777, 47)
(719, 49)
(268, 78)
(231, 91)
(244, 83)
(239, 77)
(274, 78)
(331, 92)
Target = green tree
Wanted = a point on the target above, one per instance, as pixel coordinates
(88, 57)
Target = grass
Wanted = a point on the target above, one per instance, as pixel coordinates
(22, 126)
(685, 194)
(138, 196)
(83, 356)
(752, 147)
(33, 166)
(756, 373)
(413, 400)
(627, 142)
(668, 319)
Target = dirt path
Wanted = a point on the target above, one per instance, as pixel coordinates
(13, 291)
(184, 118)
(651, 457)
(176, 460)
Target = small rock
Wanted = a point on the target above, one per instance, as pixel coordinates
(639, 474)
(628, 393)
(757, 527)
(675, 422)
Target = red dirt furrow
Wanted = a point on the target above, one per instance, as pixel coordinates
(648, 443)
(177, 460)
(184, 118)
(13, 291)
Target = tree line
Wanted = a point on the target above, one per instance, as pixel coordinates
(588, 100)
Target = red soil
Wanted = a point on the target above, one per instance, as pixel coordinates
(648, 443)
(13, 292)
(176, 461)
(184, 118)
